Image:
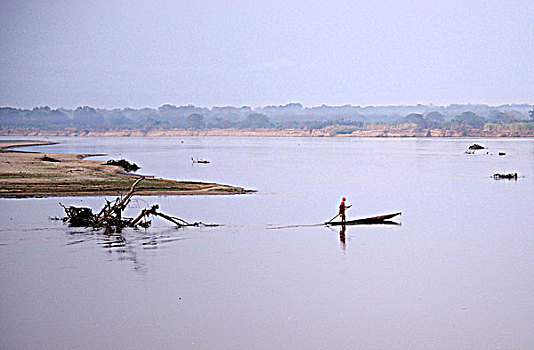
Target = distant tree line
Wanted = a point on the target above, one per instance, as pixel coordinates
(344, 119)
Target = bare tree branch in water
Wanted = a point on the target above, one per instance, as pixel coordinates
(110, 216)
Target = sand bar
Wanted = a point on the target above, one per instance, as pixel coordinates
(31, 174)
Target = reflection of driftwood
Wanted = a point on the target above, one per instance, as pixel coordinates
(110, 216)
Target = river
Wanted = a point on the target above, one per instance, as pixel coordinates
(457, 273)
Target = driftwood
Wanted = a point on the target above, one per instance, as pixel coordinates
(110, 216)
(46, 158)
(510, 176)
(200, 161)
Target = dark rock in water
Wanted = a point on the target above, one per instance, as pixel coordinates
(476, 146)
(50, 159)
(126, 165)
(510, 176)
(201, 161)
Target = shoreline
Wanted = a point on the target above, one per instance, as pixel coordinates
(372, 131)
(523, 128)
(8, 144)
(33, 174)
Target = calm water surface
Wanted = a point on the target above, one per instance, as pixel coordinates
(458, 273)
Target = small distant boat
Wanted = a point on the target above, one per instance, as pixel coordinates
(201, 161)
(370, 220)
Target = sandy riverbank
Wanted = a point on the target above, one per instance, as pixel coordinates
(491, 130)
(26, 174)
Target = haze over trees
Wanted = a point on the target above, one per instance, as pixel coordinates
(338, 119)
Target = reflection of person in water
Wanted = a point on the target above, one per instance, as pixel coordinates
(342, 237)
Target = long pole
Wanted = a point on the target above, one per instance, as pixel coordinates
(329, 221)
(346, 208)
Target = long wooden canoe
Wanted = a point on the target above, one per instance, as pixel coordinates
(372, 220)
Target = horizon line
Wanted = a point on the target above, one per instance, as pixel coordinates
(282, 105)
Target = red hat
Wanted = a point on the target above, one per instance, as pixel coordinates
(343, 199)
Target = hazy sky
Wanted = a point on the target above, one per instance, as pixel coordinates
(256, 53)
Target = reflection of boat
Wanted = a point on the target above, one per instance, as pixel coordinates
(382, 219)
(201, 161)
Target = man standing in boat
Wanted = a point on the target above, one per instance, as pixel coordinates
(342, 208)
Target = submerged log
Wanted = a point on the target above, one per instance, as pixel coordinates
(154, 211)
